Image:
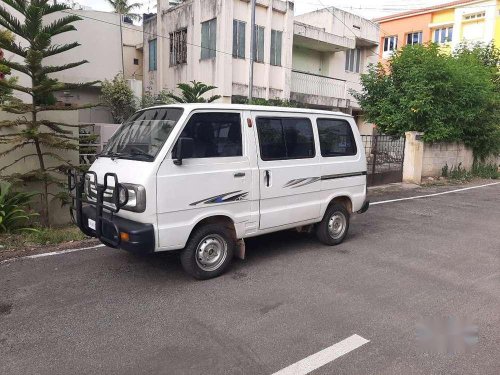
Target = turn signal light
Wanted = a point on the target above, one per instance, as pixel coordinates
(124, 236)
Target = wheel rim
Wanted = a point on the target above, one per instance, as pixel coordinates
(337, 225)
(211, 252)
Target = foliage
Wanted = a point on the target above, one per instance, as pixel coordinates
(488, 171)
(119, 98)
(269, 102)
(39, 237)
(480, 170)
(448, 97)
(14, 214)
(122, 7)
(149, 100)
(46, 138)
(193, 93)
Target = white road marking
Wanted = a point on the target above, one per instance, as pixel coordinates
(52, 253)
(321, 358)
(433, 195)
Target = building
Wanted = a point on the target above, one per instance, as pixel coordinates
(315, 59)
(100, 44)
(447, 24)
(331, 49)
(194, 41)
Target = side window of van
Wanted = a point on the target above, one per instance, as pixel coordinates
(336, 138)
(215, 134)
(285, 138)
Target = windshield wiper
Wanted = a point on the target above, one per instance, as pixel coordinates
(138, 151)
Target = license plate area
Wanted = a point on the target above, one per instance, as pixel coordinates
(91, 224)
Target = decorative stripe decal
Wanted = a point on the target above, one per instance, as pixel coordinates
(299, 182)
(343, 175)
(223, 198)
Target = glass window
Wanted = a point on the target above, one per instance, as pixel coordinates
(336, 138)
(443, 35)
(352, 60)
(390, 43)
(215, 134)
(143, 134)
(285, 138)
(152, 54)
(414, 38)
(208, 39)
(238, 39)
(276, 37)
(259, 44)
(178, 47)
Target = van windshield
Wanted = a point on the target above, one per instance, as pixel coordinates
(142, 136)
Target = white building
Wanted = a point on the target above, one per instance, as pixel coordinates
(194, 41)
(315, 58)
(100, 43)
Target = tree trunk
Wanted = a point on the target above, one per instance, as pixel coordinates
(44, 209)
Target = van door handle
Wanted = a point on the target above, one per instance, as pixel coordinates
(239, 175)
(268, 178)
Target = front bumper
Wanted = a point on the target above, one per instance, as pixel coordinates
(110, 229)
(141, 237)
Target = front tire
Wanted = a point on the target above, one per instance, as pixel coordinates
(332, 230)
(209, 251)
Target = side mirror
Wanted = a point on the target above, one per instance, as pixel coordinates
(183, 150)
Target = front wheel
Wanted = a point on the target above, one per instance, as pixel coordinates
(333, 229)
(208, 252)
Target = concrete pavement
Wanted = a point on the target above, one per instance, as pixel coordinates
(404, 265)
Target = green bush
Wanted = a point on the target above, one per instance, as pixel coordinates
(14, 213)
(486, 171)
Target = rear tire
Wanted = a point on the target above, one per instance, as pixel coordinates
(333, 229)
(208, 252)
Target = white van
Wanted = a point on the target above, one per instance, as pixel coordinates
(202, 177)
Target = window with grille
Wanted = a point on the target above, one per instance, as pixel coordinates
(276, 38)
(238, 39)
(178, 47)
(208, 39)
(258, 55)
(352, 60)
(152, 54)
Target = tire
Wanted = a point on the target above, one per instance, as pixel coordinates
(332, 230)
(208, 252)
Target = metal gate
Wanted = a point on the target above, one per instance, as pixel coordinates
(384, 156)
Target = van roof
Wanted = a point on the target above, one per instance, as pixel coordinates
(222, 106)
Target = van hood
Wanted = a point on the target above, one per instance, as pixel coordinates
(127, 171)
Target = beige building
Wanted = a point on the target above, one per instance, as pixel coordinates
(194, 41)
(315, 58)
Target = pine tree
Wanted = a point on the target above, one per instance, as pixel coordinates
(45, 138)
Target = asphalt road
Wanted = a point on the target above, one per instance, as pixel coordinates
(409, 274)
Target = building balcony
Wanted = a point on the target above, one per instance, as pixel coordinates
(319, 91)
(318, 39)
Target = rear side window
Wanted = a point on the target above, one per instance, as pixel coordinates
(336, 138)
(285, 138)
(215, 134)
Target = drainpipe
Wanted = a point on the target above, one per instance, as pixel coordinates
(121, 45)
(252, 49)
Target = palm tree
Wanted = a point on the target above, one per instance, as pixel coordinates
(124, 10)
(193, 93)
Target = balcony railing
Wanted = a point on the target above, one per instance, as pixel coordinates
(313, 84)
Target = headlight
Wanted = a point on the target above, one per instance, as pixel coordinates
(136, 197)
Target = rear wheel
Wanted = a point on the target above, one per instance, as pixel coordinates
(333, 229)
(208, 252)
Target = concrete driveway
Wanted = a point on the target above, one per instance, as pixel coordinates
(419, 279)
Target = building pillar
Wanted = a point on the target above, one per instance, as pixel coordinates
(413, 158)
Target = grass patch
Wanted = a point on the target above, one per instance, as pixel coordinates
(43, 236)
(460, 174)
